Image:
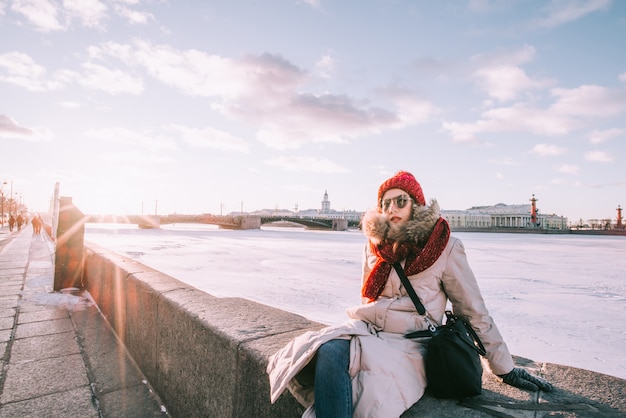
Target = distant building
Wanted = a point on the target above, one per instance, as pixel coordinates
(497, 216)
(325, 203)
(502, 216)
(270, 212)
(324, 212)
(466, 219)
(327, 213)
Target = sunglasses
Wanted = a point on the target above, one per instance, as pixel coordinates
(400, 202)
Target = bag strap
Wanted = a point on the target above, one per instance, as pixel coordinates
(409, 289)
(416, 300)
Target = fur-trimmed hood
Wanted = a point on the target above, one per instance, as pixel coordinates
(377, 228)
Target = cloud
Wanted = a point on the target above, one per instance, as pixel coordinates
(21, 70)
(133, 16)
(316, 4)
(268, 93)
(411, 109)
(546, 150)
(9, 128)
(264, 91)
(149, 139)
(307, 164)
(48, 16)
(133, 157)
(500, 75)
(42, 14)
(589, 101)
(559, 12)
(325, 118)
(197, 73)
(503, 82)
(209, 138)
(165, 138)
(90, 13)
(598, 157)
(517, 118)
(97, 77)
(622, 77)
(325, 66)
(572, 109)
(568, 169)
(600, 136)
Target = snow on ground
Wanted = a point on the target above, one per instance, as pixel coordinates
(555, 298)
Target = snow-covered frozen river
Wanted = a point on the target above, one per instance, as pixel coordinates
(555, 298)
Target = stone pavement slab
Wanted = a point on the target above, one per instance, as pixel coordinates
(44, 377)
(72, 403)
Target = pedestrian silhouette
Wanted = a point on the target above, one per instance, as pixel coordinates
(37, 223)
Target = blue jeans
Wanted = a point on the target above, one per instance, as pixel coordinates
(333, 388)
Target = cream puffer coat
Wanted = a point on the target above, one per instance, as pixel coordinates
(387, 370)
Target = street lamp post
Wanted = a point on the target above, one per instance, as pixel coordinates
(4, 183)
(10, 198)
(2, 204)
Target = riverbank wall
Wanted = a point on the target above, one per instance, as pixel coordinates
(205, 356)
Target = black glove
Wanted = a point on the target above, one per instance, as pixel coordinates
(520, 378)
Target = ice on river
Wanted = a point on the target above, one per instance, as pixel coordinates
(555, 298)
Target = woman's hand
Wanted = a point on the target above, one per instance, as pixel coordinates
(520, 378)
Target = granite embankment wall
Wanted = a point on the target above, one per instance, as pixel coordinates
(205, 356)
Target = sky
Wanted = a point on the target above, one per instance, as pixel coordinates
(135, 106)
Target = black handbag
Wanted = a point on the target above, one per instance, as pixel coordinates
(452, 361)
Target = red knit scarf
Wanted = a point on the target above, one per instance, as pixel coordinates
(417, 258)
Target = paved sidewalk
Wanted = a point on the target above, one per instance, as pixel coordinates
(59, 356)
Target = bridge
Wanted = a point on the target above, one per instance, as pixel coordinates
(255, 222)
(228, 221)
(309, 223)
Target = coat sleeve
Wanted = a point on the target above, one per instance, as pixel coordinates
(365, 270)
(462, 290)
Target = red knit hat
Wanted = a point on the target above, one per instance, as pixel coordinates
(405, 181)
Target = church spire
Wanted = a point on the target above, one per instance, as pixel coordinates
(325, 203)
